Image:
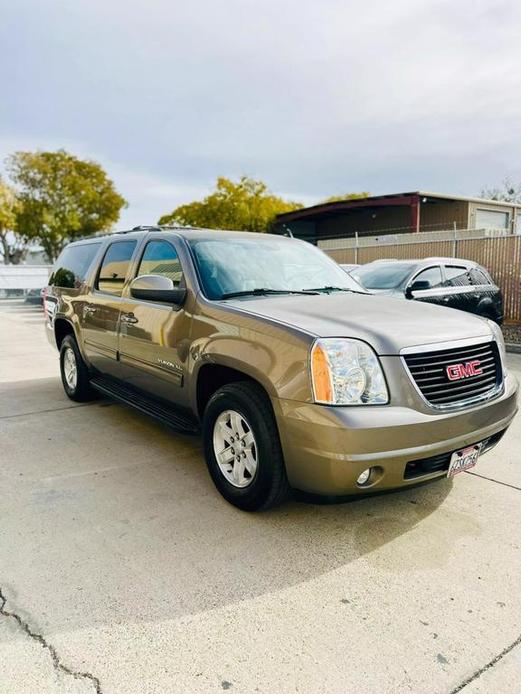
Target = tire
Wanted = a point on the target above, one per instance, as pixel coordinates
(77, 388)
(259, 481)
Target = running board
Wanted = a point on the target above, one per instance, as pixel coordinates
(143, 403)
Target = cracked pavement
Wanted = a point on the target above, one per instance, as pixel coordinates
(57, 664)
(122, 570)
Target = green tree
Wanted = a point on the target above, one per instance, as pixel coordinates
(347, 196)
(12, 245)
(62, 198)
(507, 191)
(247, 205)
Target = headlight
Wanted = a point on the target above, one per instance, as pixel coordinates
(498, 336)
(346, 372)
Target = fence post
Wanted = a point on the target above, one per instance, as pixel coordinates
(356, 247)
(455, 242)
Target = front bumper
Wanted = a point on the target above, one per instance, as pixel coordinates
(326, 448)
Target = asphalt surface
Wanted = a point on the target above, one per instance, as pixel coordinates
(122, 570)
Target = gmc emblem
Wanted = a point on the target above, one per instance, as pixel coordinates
(457, 371)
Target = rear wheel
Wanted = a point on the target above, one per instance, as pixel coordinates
(74, 372)
(242, 447)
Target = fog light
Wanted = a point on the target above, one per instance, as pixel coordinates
(364, 476)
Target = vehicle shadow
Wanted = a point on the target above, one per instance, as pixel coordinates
(33, 396)
(102, 504)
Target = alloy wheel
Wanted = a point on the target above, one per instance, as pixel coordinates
(235, 448)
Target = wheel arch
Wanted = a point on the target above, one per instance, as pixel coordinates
(62, 328)
(213, 375)
(487, 308)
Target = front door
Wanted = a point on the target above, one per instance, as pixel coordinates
(100, 313)
(154, 337)
(433, 293)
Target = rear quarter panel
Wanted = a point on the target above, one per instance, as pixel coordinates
(490, 302)
(68, 305)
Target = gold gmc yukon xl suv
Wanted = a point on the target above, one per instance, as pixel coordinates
(296, 377)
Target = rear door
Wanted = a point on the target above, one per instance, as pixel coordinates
(154, 336)
(100, 314)
(489, 300)
(461, 293)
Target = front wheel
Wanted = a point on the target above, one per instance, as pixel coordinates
(242, 447)
(74, 372)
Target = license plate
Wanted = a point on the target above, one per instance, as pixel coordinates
(463, 460)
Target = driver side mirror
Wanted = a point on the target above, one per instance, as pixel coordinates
(157, 288)
(417, 286)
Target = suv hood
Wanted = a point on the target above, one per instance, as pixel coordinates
(387, 324)
(387, 292)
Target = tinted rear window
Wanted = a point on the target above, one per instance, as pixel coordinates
(478, 276)
(73, 264)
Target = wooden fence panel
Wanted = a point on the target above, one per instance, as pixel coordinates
(501, 256)
(343, 255)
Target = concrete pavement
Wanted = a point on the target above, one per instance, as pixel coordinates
(123, 571)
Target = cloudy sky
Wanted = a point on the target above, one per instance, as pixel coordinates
(316, 97)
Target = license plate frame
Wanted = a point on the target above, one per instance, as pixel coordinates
(464, 459)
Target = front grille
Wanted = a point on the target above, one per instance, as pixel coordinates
(441, 462)
(429, 372)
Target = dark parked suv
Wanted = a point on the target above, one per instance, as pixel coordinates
(449, 282)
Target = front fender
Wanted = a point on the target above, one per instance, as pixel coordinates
(279, 366)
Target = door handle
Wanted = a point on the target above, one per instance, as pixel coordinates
(89, 310)
(129, 318)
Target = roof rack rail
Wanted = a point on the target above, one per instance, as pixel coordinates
(152, 227)
(184, 227)
(159, 227)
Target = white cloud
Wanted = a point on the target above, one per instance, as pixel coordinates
(316, 98)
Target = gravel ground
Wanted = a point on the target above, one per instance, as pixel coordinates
(512, 334)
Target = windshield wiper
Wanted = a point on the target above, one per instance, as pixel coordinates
(261, 291)
(334, 289)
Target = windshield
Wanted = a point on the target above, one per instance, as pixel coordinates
(382, 275)
(227, 266)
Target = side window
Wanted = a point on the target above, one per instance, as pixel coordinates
(457, 276)
(432, 275)
(160, 258)
(479, 276)
(114, 267)
(73, 264)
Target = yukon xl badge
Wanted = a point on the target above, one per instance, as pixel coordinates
(170, 365)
